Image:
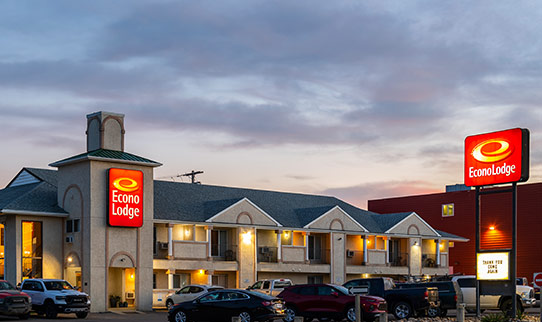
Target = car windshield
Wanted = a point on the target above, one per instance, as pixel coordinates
(58, 285)
(6, 286)
(342, 289)
(282, 284)
(261, 295)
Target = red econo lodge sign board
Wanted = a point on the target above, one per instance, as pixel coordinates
(125, 198)
(497, 157)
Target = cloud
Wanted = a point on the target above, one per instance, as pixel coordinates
(359, 195)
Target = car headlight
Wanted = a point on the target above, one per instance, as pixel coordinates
(60, 298)
(1, 301)
(29, 300)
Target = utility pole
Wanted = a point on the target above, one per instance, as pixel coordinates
(192, 175)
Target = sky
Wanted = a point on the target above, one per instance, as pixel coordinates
(356, 99)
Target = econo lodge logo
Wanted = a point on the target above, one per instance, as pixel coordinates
(125, 198)
(497, 157)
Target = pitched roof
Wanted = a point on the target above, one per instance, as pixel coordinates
(387, 221)
(197, 203)
(36, 197)
(107, 155)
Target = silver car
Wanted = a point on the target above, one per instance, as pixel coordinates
(189, 293)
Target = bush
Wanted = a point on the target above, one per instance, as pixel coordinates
(498, 317)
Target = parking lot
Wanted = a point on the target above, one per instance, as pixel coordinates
(161, 316)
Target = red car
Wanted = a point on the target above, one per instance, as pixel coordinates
(14, 302)
(328, 301)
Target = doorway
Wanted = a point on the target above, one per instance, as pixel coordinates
(121, 287)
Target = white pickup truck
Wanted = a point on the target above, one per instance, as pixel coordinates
(467, 283)
(271, 287)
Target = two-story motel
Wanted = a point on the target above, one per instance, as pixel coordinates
(103, 223)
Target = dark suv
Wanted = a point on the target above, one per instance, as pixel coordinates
(449, 294)
(328, 301)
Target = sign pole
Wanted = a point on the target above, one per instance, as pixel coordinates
(477, 210)
(514, 249)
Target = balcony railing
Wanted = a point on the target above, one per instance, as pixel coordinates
(429, 260)
(320, 256)
(267, 254)
(354, 257)
(221, 252)
(399, 259)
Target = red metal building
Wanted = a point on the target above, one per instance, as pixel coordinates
(454, 212)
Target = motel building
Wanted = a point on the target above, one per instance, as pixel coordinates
(99, 220)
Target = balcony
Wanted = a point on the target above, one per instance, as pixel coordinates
(399, 259)
(319, 256)
(223, 252)
(267, 254)
(354, 257)
(429, 260)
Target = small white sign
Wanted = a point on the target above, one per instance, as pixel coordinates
(493, 266)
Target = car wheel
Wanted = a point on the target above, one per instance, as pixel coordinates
(506, 306)
(433, 312)
(351, 314)
(169, 304)
(180, 316)
(50, 311)
(81, 315)
(402, 310)
(24, 316)
(290, 314)
(244, 317)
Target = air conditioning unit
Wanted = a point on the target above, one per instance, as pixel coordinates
(349, 253)
(163, 245)
(69, 239)
(264, 250)
(130, 295)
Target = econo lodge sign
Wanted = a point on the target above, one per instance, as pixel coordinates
(125, 198)
(497, 157)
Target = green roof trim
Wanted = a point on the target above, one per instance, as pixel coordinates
(106, 155)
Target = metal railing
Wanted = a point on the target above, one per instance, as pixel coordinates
(267, 254)
(398, 259)
(321, 256)
(429, 260)
(221, 252)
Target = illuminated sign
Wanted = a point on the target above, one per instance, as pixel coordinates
(493, 266)
(498, 157)
(125, 198)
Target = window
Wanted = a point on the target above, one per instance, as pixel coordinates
(266, 285)
(211, 297)
(466, 282)
(448, 210)
(219, 243)
(184, 290)
(32, 249)
(180, 280)
(153, 281)
(316, 279)
(325, 290)
(72, 226)
(195, 289)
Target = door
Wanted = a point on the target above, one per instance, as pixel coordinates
(328, 299)
(315, 248)
(219, 243)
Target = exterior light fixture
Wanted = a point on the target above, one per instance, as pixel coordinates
(247, 237)
(416, 243)
(491, 227)
(70, 259)
(187, 232)
(201, 271)
(132, 276)
(286, 234)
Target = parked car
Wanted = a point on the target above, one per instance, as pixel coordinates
(449, 294)
(223, 305)
(53, 296)
(328, 301)
(403, 303)
(189, 293)
(14, 302)
(467, 283)
(271, 286)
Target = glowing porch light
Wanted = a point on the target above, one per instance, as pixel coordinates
(247, 237)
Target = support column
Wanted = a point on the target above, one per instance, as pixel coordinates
(170, 241)
(387, 245)
(279, 246)
(306, 236)
(169, 279)
(437, 260)
(209, 253)
(365, 255)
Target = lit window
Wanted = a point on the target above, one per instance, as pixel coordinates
(32, 249)
(448, 210)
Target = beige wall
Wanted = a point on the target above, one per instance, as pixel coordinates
(190, 250)
(244, 212)
(246, 258)
(338, 258)
(407, 227)
(335, 219)
(293, 254)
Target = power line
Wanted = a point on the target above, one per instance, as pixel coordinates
(192, 176)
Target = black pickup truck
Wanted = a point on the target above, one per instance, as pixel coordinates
(449, 294)
(402, 303)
